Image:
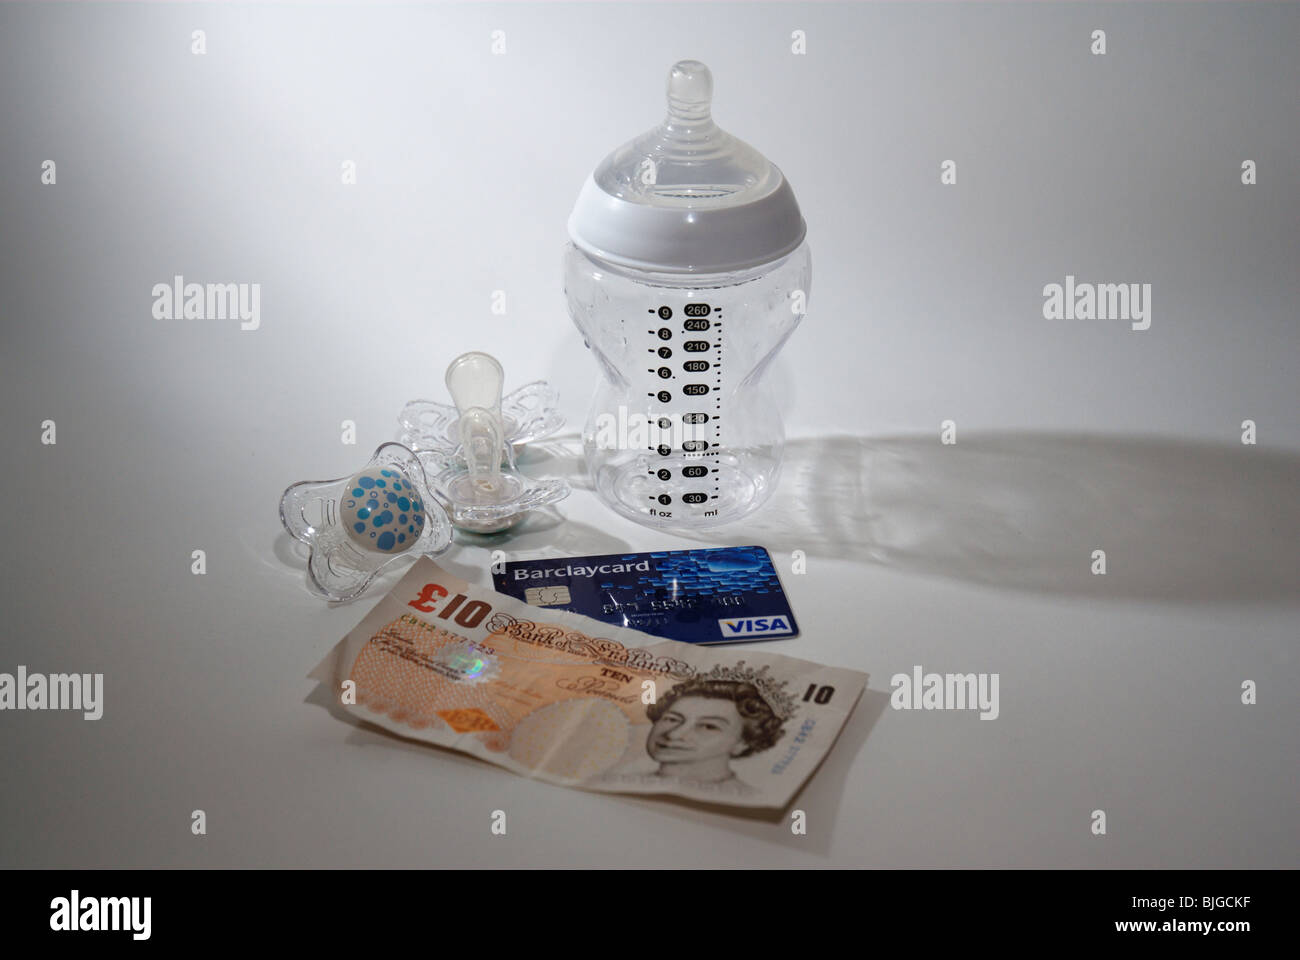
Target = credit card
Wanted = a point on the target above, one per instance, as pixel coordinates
(709, 595)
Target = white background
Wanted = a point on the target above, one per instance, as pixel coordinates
(1119, 693)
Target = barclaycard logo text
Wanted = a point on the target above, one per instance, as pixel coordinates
(753, 626)
(569, 571)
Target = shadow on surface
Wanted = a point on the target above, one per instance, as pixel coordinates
(1179, 521)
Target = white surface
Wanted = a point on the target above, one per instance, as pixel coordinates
(1119, 692)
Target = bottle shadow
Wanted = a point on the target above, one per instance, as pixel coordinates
(1178, 521)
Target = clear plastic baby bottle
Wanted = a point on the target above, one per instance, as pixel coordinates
(686, 272)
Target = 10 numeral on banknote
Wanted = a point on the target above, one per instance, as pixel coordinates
(468, 616)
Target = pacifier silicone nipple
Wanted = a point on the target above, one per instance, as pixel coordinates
(485, 496)
(475, 380)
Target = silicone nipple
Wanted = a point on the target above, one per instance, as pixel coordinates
(688, 134)
(474, 380)
(690, 92)
(486, 493)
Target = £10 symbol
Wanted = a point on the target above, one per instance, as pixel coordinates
(469, 616)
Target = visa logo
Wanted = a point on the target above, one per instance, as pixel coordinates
(753, 626)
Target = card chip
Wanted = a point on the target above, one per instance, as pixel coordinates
(547, 596)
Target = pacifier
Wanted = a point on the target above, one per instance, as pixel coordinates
(356, 526)
(433, 431)
(485, 492)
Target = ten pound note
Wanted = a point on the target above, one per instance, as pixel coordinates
(570, 700)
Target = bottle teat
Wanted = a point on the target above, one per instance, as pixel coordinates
(690, 92)
(686, 196)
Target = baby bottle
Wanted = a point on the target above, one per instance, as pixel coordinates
(686, 271)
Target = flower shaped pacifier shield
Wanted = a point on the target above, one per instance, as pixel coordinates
(433, 430)
(357, 525)
(485, 492)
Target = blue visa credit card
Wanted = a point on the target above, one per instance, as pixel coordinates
(711, 595)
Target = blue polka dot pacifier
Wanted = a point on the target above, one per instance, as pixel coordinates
(355, 526)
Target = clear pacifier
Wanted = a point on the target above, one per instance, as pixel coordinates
(356, 526)
(433, 430)
(484, 491)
